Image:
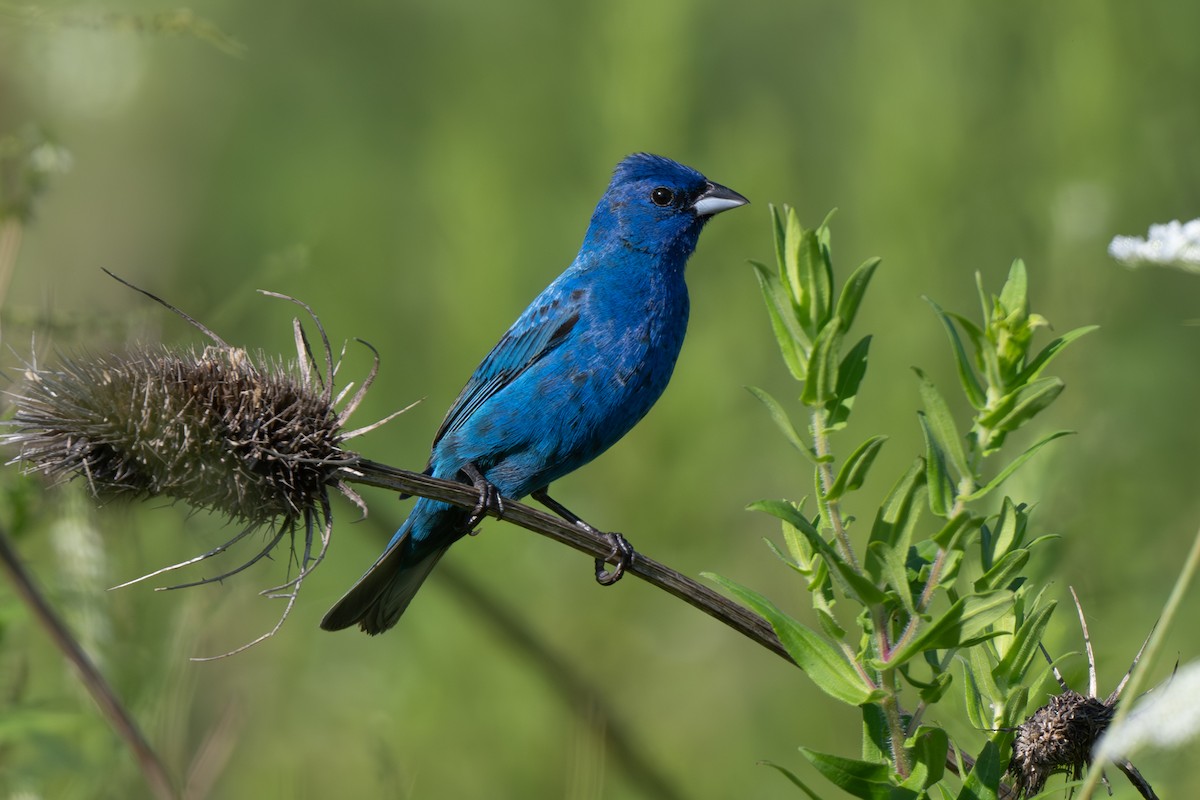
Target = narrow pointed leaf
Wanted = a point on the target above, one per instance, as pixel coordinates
(817, 276)
(778, 218)
(1047, 354)
(929, 750)
(961, 622)
(793, 342)
(854, 471)
(850, 375)
(976, 705)
(832, 673)
(1028, 402)
(854, 289)
(1014, 295)
(1013, 466)
(1024, 647)
(937, 476)
(796, 242)
(983, 782)
(876, 747)
(860, 779)
(862, 586)
(1008, 567)
(783, 421)
(799, 784)
(941, 423)
(821, 384)
(966, 374)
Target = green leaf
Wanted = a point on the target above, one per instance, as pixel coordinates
(799, 784)
(1014, 295)
(1013, 466)
(862, 586)
(778, 218)
(850, 375)
(852, 474)
(1018, 407)
(854, 289)
(1047, 354)
(795, 241)
(891, 534)
(951, 535)
(929, 749)
(977, 706)
(860, 779)
(942, 425)
(983, 782)
(937, 476)
(817, 275)
(965, 618)
(999, 576)
(783, 421)
(966, 375)
(832, 673)
(876, 736)
(794, 344)
(1011, 669)
(821, 384)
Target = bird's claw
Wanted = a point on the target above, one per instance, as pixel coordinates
(490, 499)
(624, 554)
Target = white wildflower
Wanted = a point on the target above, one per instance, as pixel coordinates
(1166, 717)
(1175, 244)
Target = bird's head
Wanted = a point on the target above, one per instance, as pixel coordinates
(659, 206)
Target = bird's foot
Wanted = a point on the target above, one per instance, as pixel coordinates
(490, 499)
(624, 554)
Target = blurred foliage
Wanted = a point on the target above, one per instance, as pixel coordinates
(418, 172)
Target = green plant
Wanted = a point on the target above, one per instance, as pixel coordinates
(938, 581)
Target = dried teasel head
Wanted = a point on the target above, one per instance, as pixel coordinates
(251, 437)
(215, 428)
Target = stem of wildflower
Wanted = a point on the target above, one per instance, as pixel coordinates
(102, 693)
(833, 511)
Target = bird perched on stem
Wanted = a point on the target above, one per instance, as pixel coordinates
(577, 370)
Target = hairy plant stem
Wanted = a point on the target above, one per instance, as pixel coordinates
(833, 509)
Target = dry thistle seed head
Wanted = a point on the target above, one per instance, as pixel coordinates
(211, 428)
(254, 438)
(1060, 736)
(1057, 737)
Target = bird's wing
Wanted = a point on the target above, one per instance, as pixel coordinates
(542, 328)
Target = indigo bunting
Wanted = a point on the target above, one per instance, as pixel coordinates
(580, 367)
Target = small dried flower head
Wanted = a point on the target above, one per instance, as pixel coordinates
(211, 428)
(1060, 736)
(1057, 737)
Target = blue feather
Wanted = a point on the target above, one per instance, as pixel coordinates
(576, 371)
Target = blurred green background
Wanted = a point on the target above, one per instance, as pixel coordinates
(418, 171)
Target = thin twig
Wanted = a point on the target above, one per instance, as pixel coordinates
(745, 622)
(110, 705)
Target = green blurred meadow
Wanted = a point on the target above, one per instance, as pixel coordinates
(417, 172)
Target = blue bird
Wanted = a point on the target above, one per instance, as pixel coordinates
(574, 374)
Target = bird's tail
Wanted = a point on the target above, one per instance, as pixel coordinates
(376, 602)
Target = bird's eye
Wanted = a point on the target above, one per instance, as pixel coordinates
(662, 196)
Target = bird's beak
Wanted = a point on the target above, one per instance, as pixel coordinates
(717, 198)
